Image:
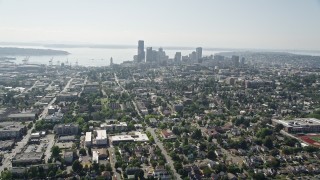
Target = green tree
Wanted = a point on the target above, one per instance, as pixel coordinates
(268, 142)
(278, 127)
(197, 134)
(83, 152)
(76, 166)
(211, 155)
(6, 175)
(55, 151)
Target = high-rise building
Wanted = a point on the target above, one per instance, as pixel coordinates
(177, 57)
(155, 57)
(193, 56)
(149, 54)
(141, 53)
(235, 61)
(242, 61)
(199, 53)
(111, 61)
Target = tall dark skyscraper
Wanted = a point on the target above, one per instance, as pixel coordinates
(199, 53)
(141, 53)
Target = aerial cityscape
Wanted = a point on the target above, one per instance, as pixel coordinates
(224, 116)
(177, 90)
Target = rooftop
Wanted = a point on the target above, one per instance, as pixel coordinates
(101, 134)
(28, 156)
(137, 136)
(299, 122)
(88, 136)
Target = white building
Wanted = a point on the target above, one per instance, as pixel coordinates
(88, 139)
(136, 137)
(95, 156)
(101, 138)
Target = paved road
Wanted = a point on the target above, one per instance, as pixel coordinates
(67, 85)
(164, 152)
(123, 89)
(85, 82)
(113, 161)
(51, 142)
(34, 84)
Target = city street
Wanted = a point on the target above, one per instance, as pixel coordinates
(113, 160)
(164, 152)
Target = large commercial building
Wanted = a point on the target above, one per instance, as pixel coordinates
(67, 96)
(27, 158)
(299, 125)
(101, 137)
(12, 130)
(54, 118)
(22, 117)
(66, 129)
(136, 137)
(141, 53)
(122, 126)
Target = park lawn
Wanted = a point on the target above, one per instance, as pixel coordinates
(315, 138)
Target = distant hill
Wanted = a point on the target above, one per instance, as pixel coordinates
(12, 51)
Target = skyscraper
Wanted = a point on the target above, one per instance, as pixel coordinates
(141, 53)
(111, 61)
(199, 53)
(149, 55)
(235, 61)
(177, 57)
(242, 61)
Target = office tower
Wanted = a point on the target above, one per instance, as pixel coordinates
(155, 57)
(193, 56)
(242, 61)
(177, 57)
(161, 55)
(141, 53)
(149, 54)
(111, 61)
(235, 61)
(199, 53)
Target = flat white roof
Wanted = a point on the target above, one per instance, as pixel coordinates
(95, 156)
(137, 136)
(35, 134)
(88, 136)
(299, 122)
(101, 134)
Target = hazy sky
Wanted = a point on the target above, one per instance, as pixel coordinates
(275, 24)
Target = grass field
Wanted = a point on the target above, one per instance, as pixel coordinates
(315, 138)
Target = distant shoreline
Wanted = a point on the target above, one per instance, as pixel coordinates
(15, 51)
(123, 46)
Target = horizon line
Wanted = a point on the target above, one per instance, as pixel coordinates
(126, 46)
